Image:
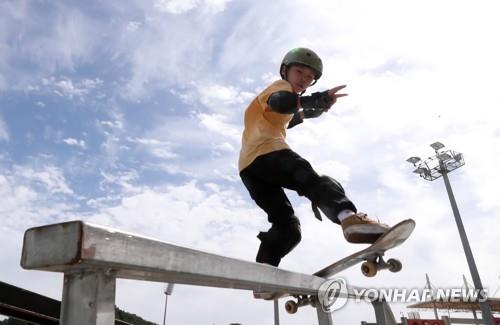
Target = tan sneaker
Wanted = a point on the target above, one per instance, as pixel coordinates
(360, 229)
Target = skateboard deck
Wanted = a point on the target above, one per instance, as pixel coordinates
(371, 258)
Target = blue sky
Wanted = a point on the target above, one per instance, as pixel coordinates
(129, 115)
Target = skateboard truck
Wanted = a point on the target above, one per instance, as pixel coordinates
(292, 306)
(377, 263)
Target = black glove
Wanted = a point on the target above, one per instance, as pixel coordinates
(313, 112)
(317, 100)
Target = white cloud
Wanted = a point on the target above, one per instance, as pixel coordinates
(49, 177)
(68, 88)
(201, 154)
(75, 142)
(112, 124)
(4, 133)
(32, 196)
(223, 99)
(216, 6)
(182, 6)
(225, 147)
(204, 210)
(175, 6)
(123, 180)
(156, 64)
(163, 153)
(147, 142)
(113, 129)
(3, 82)
(60, 38)
(134, 26)
(63, 43)
(160, 149)
(216, 123)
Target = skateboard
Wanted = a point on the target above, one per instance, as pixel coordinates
(371, 257)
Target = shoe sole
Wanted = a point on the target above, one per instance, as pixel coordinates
(364, 233)
(362, 238)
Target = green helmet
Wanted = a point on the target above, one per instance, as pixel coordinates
(304, 56)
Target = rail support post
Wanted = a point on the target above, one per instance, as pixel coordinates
(324, 318)
(383, 313)
(88, 298)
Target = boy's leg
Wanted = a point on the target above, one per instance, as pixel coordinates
(329, 196)
(324, 192)
(285, 232)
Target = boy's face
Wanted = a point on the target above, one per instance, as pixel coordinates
(300, 77)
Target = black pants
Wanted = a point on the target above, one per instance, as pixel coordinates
(269, 174)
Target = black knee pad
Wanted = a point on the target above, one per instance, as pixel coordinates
(328, 184)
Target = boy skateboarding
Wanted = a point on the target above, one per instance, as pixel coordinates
(267, 165)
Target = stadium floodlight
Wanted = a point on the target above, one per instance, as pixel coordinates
(422, 171)
(441, 164)
(169, 288)
(437, 145)
(413, 160)
(444, 156)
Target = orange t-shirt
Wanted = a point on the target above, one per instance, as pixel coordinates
(265, 130)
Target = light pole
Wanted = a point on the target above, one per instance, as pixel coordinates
(169, 287)
(441, 164)
(276, 312)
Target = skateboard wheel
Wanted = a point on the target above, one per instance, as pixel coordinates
(291, 307)
(394, 265)
(369, 269)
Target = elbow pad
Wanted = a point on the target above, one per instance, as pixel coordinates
(283, 102)
(317, 100)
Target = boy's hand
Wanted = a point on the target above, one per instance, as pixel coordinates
(333, 94)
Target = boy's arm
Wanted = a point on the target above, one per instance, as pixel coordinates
(286, 102)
